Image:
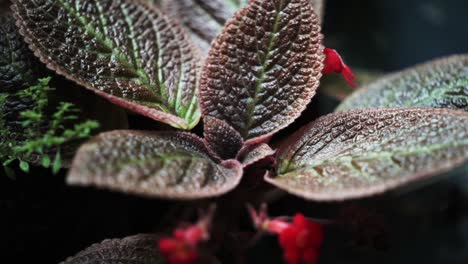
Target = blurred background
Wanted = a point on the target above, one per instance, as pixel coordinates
(43, 219)
(390, 35)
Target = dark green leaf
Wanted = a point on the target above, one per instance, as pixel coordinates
(46, 161)
(167, 165)
(18, 66)
(57, 165)
(24, 166)
(365, 152)
(442, 83)
(125, 51)
(264, 68)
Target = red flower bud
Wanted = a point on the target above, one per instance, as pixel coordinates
(334, 63)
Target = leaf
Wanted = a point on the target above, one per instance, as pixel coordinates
(254, 153)
(125, 51)
(365, 152)
(45, 161)
(138, 249)
(165, 164)
(264, 68)
(203, 19)
(18, 66)
(154, 2)
(222, 138)
(57, 163)
(24, 166)
(441, 83)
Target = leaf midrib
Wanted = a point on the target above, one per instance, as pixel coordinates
(261, 78)
(118, 54)
(289, 165)
(383, 155)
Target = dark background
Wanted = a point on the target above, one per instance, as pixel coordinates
(44, 220)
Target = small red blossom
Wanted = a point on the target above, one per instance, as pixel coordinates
(300, 240)
(334, 63)
(177, 251)
(182, 247)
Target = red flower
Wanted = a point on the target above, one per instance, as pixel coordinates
(182, 247)
(334, 63)
(300, 240)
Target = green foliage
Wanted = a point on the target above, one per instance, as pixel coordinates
(44, 132)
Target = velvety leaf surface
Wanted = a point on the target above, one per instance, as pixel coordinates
(138, 249)
(254, 153)
(124, 50)
(165, 164)
(442, 83)
(18, 66)
(203, 18)
(364, 152)
(264, 68)
(222, 138)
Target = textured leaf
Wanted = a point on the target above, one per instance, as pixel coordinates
(18, 70)
(222, 138)
(168, 165)
(18, 66)
(154, 2)
(365, 152)
(264, 68)
(124, 50)
(442, 83)
(205, 19)
(254, 153)
(138, 249)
